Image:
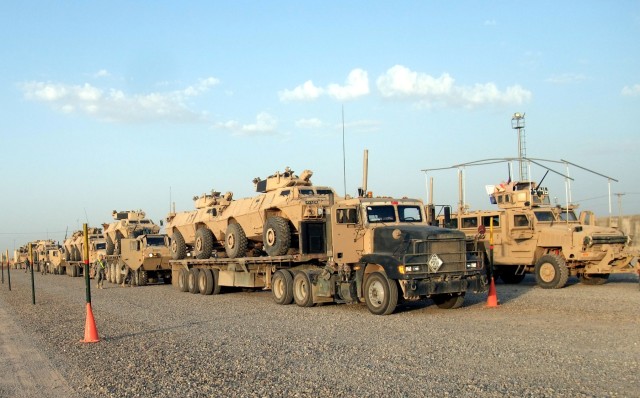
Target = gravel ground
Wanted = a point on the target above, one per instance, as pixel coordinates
(155, 341)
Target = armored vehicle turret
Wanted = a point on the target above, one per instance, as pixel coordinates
(128, 224)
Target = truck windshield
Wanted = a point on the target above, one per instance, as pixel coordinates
(155, 240)
(324, 191)
(544, 216)
(568, 216)
(381, 214)
(101, 246)
(409, 214)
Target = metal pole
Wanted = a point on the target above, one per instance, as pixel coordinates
(9, 271)
(33, 282)
(2, 264)
(490, 269)
(86, 263)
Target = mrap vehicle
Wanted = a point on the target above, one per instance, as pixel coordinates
(379, 251)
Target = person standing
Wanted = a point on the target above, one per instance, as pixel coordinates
(27, 264)
(100, 268)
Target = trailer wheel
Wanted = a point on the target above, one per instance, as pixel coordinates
(183, 280)
(205, 282)
(551, 272)
(302, 290)
(448, 301)
(192, 280)
(178, 247)
(594, 279)
(235, 241)
(110, 246)
(143, 278)
(203, 245)
(282, 287)
(380, 294)
(276, 236)
(508, 275)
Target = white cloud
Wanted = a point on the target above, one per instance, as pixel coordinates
(265, 124)
(356, 86)
(402, 83)
(304, 92)
(115, 105)
(101, 73)
(311, 123)
(566, 78)
(631, 91)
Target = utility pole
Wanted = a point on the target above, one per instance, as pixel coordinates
(620, 195)
(517, 123)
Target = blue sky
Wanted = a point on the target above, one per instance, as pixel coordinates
(132, 105)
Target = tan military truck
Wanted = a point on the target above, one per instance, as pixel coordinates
(378, 251)
(191, 232)
(74, 251)
(47, 254)
(532, 236)
(268, 222)
(128, 224)
(143, 259)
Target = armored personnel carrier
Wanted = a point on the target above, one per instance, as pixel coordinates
(143, 258)
(74, 248)
(128, 224)
(269, 222)
(532, 236)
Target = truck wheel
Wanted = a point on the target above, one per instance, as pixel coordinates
(594, 279)
(235, 241)
(110, 246)
(203, 246)
(112, 273)
(178, 247)
(143, 278)
(67, 255)
(282, 287)
(205, 282)
(302, 290)
(75, 271)
(509, 276)
(192, 280)
(183, 280)
(117, 244)
(551, 272)
(119, 275)
(380, 294)
(448, 301)
(276, 236)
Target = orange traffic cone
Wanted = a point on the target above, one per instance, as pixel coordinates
(90, 331)
(492, 298)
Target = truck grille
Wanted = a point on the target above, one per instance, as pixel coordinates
(451, 252)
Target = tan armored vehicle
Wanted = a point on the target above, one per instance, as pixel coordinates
(71, 247)
(144, 258)
(48, 255)
(192, 230)
(532, 236)
(128, 224)
(74, 250)
(269, 221)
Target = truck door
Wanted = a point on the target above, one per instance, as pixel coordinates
(521, 244)
(346, 234)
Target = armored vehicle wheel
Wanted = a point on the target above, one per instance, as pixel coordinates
(75, 271)
(118, 243)
(235, 241)
(594, 279)
(143, 278)
(119, 276)
(276, 236)
(112, 273)
(205, 282)
(183, 280)
(302, 290)
(67, 255)
(448, 301)
(178, 247)
(203, 246)
(110, 246)
(192, 281)
(551, 272)
(509, 276)
(380, 294)
(282, 287)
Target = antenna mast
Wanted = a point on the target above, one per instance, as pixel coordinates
(517, 123)
(344, 159)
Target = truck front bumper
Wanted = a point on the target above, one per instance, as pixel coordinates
(444, 284)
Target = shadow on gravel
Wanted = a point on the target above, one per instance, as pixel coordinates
(148, 332)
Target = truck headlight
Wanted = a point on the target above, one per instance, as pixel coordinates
(587, 241)
(472, 264)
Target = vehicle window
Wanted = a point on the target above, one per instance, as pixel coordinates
(286, 192)
(486, 221)
(568, 216)
(346, 216)
(544, 216)
(324, 192)
(409, 213)
(101, 246)
(470, 222)
(520, 220)
(381, 214)
(155, 240)
(305, 192)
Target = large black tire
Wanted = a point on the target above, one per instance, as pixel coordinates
(203, 245)
(143, 278)
(75, 271)
(119, 275)
(509, 276)
(302, 290)
(118, 244)
(183, 280)
(276, 236)
(282, 287)
(380, 294)
(67, 255)
(112, 273)
(448, 301)
(235, 241)
(178, 247)
(192, 280)
(111, 247)
(551, 272)
(205, 282)
(594, 279)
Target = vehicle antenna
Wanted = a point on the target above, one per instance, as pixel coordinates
(344, 160)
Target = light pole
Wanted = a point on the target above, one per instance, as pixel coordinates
(517, 123)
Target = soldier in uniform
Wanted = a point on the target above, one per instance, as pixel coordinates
(100, 268)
